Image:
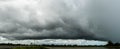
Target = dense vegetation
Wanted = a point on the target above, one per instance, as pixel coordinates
(112, 44)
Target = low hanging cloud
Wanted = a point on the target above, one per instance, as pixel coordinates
(56, 19)
(54, 41)
(44, 19)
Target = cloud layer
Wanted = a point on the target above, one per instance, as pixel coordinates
(106, 17)
(40, 19)
(56, 42)
(60, 19)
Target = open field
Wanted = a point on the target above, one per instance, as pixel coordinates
(82, 48)
(13, 47)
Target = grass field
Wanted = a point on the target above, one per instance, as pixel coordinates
(30, 47)
(40, 47)
(66, 48)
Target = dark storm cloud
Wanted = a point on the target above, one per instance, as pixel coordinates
(31, 19)
(106, 17)
(56, 19)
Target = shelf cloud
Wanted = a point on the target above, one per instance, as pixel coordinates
(59, 19)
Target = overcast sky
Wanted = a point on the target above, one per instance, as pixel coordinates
(60, 19)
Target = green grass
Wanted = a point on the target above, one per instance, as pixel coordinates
(30, 47)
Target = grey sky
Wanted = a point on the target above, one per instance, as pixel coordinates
(60, 19)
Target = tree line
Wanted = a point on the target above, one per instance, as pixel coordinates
(110, 43)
